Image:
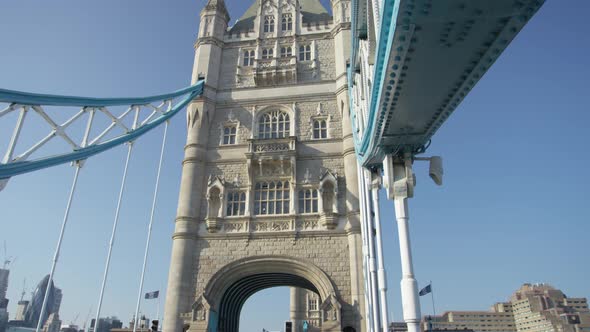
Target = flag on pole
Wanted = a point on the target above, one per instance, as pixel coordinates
(426, 290)
(152, 295)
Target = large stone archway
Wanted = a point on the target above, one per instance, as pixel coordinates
(231, 286)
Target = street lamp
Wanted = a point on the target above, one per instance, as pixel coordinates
(399, 181)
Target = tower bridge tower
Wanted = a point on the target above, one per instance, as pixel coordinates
(269, 190)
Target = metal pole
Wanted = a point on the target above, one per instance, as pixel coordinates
(364, 233)
(381, 276)
(58, 248)
(409, 285)
(432, 296)
(372, 267)
(112, 241)
(149, 234)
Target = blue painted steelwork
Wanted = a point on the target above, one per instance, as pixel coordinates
(420, 74)
(21, 167)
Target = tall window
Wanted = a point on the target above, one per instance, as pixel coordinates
(308, 201)
(269, 23)
(248, 57)
(271, 198)
(236, 203)
(320, 129)
(229, 134)
(287, 22)
(312, 304)
(267, 53)
(274, 124)
(304, 52)
(286, 51)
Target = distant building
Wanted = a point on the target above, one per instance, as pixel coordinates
(106, 324)
(532, 308)
(21, 309)
(3, 314)
(53, 323)
(3, 282)
(33, 312)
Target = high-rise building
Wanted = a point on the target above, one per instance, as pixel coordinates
(53, 323)
(532, 308)
(33, 312)
(3, 282)
(21, 309)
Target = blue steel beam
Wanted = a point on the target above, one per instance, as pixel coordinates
(429, 55)
(22, 98)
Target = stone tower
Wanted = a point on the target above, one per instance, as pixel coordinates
(269, 190)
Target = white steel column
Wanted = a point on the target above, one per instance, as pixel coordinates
(371, 244)
(381, 275)
(409, 285)
(364, 233)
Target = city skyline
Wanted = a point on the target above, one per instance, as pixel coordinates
(485, 182)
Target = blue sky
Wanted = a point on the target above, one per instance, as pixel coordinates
(514, 206)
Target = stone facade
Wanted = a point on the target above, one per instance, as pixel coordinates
(269, 190)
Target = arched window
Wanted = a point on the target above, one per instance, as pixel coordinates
(271, 198)
(248, 58)
(267, 53)
(229, 134)
(304, 52)
(320, 129)
(287, 22)
(269, 23)
(286, 51)
(308, 201)
(274, 124)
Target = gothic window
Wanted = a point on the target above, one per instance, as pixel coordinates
(267, 53)
(287, 22)
(236, 203)
(286, 52)
(274, 124)
(229, 134)
(304, 52)
(312, 304)
(308, 201)
(248, 58)
(269, 23)
(320, 129)
(271, 198)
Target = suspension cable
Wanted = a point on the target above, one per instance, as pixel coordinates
(58, 247)
(112, 241)
(149, 233)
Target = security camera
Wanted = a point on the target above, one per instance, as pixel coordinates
(436, 170)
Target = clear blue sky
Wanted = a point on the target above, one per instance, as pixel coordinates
(514, 207)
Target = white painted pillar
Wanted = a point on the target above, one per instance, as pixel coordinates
(409, 285)
(381, 275)
(371, 245)
(365, 235)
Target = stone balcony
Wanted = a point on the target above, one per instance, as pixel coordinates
(275, 71)
(272, 147)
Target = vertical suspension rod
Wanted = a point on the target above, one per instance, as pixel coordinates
(381, 274)
(364, 233)
(113, 233)
(149, 234)
(58, 247)
(372, 265)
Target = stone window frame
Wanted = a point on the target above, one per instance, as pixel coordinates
(286, 51)
(264, 189)
(325, 130)
(269, 23)
(230, 131)
(236, 199)
(287, 22)
(290, 111)
(230, 121)
(248, 57)
(302, 201)
(267, 53)
(305, 52)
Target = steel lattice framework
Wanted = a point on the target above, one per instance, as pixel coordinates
(136, 117)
